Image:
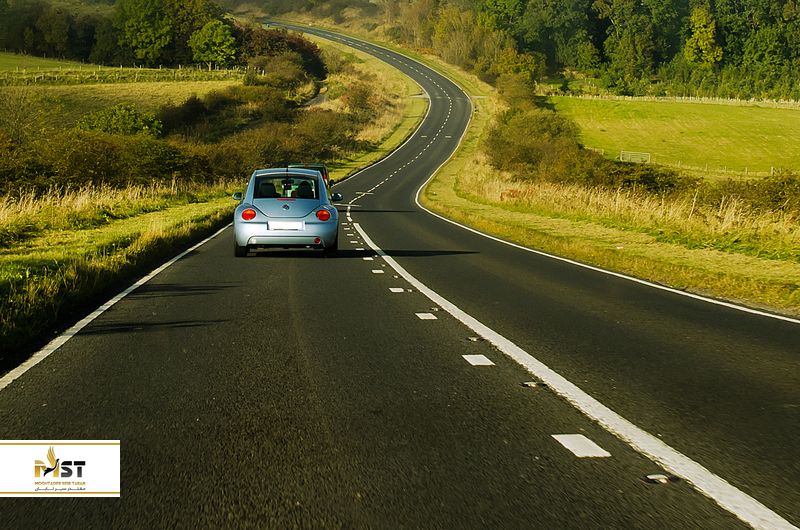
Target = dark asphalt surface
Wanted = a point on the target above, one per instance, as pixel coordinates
(288, 390)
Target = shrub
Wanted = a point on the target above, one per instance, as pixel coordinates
(176, 117)
(522, 138)
(121, 119)
(360, 100)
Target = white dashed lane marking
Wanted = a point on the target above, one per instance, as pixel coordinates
(426, 316)
(478, 360)
(581, 446)
(397, 289)
(722, 492)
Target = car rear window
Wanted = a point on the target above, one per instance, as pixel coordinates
(285, 186)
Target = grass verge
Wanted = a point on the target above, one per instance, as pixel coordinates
(60, 273)
(751, 280)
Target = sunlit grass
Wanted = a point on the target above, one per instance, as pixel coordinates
(32, 214)
(15, 61)
(729, 225)
(716, 139)
(74, 101)
(73, 253)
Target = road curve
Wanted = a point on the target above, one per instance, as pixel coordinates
(286, 390)
(720, 385)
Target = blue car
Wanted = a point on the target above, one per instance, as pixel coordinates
(286, 208)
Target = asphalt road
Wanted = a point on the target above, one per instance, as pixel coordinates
(288, 390)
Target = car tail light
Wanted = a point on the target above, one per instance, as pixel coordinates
(323, 215)
(249, 214)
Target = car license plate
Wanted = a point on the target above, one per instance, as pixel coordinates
(285, 225)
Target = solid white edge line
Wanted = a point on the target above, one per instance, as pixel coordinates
(728, 497)
(719, 490)
(59, 341)
(694, 296)
(722, 303)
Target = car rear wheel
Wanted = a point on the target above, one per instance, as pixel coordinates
(239, 252)
(333, 249)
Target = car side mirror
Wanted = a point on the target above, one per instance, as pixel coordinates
(336, 197)
(238, 196)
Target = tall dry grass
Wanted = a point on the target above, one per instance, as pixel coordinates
(30, 214)
(728, 224)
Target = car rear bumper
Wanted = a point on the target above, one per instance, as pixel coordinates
(256, 235)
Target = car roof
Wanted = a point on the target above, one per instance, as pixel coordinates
(286, 170)
(308, 164)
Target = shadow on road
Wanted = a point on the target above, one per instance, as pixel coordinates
(171, 290)
(146, 327)
(359, 210)
(352, 253)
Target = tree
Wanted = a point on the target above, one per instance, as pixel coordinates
(54, 26)
(213, 43)
(630, 43)
(144, 27)
(562, 31)
(4, 18)
(106, 48)
(500, 14)
(702, 45)
(186, 17)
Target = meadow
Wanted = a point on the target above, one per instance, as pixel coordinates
(17, 62)
(712, 139)
(70, 102)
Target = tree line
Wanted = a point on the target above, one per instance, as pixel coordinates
(720, 48)
(145, 32)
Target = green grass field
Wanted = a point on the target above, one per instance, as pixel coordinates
(75, 101)
(13, 61)
(718, 138)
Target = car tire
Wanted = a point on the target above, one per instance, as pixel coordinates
(239, 252)
(332, 250)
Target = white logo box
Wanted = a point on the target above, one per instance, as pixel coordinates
(84, 468)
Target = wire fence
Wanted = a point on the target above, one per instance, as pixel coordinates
(707, 169)
(109, 74)
(771, 103)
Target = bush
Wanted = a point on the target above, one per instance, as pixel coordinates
(121, 119)
(538, 144)
(780, 192)
(523, 138)
(177, 117)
